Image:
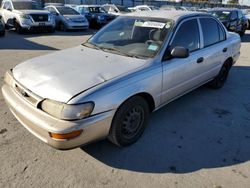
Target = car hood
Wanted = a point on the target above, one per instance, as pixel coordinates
(32, 11)
(62, 75)
(74, 17)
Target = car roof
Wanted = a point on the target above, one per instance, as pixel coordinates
(89, 5)
(167, 14)
(223, 9)
(20, 0)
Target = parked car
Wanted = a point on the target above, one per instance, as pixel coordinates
(2, 27)
(109, 85)
(26, 15)
(95, 14)
(246, 13)
(67, 18)
(115, 9)
(143, 8)
(233, 19)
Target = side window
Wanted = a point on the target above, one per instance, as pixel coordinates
(222, 33)
(187, 36)
(8, 5)
(211, 31)
(234, 15)
(53, 10)
(240, 15)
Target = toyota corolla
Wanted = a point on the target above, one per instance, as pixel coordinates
(108, 86)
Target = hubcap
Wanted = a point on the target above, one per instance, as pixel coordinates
(132, 122)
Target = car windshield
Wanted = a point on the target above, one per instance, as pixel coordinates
(221, 15)
(123, 8)
(246, 11)
(129, 36)
(25, 5)
(67, 11)
(96, 10)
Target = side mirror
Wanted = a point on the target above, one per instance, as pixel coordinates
(179, 52)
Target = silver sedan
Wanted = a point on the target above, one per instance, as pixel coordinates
(108, 86)
(67, 18)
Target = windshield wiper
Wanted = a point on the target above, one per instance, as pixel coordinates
(90, 45)
(115, 50)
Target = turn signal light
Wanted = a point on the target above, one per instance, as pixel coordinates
(66, 135)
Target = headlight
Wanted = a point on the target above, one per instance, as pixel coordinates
(24, 16)
(67, 18)
(67, 111)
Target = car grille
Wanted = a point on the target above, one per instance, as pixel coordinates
(25, 95)
(40, 17)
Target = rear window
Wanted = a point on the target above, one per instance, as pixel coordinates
(212, 31)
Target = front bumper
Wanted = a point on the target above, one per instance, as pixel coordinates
(29, 24)
(77, 25)
(40, 123)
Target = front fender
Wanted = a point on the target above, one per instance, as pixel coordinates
(111, 95)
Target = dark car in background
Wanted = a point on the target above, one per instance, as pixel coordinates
(2, 27)
(246, 13)
(232, 19)
(95, 14)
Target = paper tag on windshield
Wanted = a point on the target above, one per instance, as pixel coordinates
(152, 47)
(153, 24)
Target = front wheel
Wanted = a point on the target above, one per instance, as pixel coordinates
(62, 27)
(129, 121)
(242, 32)
(219, 81)
(18, 28)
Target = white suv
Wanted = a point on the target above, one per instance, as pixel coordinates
(25, 15)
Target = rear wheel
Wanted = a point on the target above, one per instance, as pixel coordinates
(243, 30)
(51, 30)
(219, 81)
(129, 121)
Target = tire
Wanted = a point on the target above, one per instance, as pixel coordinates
(62, 27)
(2, 33)
(219, 81)
(52, 30)
(129, 122)
(18, 28)
(242, 32)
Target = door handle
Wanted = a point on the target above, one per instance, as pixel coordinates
(224, 50)
(200, 60)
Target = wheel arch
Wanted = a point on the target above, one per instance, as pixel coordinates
(146, 96)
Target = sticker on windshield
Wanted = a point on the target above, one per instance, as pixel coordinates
(152, 24)
(152, 47)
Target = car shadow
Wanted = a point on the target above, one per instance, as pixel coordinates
(203, 129)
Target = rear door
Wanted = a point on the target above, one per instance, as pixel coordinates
(214, 48)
